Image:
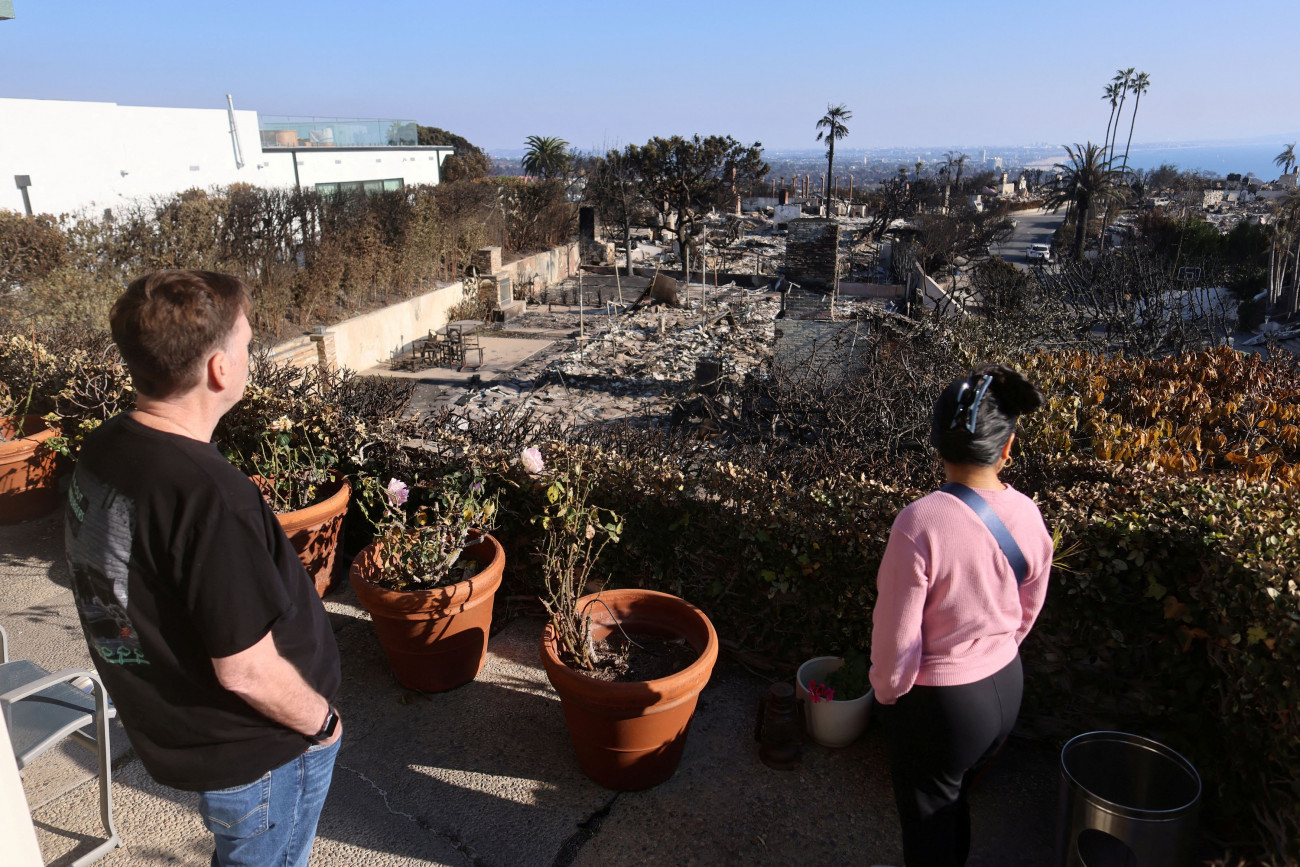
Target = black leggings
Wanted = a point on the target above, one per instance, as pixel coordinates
(940, 738)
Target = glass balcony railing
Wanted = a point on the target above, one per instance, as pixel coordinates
(337, 132)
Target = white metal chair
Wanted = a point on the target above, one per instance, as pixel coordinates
(40, 709)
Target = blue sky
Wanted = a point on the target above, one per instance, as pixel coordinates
(601, 74)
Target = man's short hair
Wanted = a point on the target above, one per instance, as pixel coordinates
(167, 322)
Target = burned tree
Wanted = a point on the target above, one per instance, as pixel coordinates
(684, 177)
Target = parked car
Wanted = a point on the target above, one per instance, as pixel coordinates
(1039, 251)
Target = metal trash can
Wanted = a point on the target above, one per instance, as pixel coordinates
(1126, 801)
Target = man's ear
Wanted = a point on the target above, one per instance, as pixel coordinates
(217, 370)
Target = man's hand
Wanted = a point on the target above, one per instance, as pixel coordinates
(272, 686)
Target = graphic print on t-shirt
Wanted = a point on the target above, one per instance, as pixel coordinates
(98, 541)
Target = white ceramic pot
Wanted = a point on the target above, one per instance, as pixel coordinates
(831, 723)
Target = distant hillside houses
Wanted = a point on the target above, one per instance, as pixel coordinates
(67, 156)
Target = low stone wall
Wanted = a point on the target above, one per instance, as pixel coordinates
(377, 337)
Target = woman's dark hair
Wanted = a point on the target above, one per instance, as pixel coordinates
(973, 417)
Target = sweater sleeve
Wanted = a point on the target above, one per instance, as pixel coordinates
(901, 587)
(1033, 593)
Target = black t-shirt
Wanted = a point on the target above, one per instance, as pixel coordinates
(177, 559)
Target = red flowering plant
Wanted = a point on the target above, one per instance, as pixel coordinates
(820, 692)
(851, 680)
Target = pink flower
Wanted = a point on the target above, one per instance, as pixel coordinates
(820, 692)
(398, 492)
(532, 460)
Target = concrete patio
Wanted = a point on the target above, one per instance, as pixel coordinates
(485, 774)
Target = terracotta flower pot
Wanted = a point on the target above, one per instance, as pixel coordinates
(314, 531)
(28, 470)
(435, 639)
(835, 723)
(630, 736)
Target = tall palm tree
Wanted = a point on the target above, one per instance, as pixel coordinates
(961, 162)
(546, 156)
(832, 129)
(1286, 159)
(1285, 232)
(949, 163)
(1084, 183)
(1141, 82)
(1112, 95)
(919, 165)
(1123, 78)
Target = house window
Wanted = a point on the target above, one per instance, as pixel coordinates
(346, 187)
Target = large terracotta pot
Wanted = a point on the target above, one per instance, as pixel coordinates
(28, 470)
(435, 639)
(314, 531)
(630, 736)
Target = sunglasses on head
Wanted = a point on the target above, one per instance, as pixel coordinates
(968, 401)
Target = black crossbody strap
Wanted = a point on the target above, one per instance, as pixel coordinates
(1001, 534)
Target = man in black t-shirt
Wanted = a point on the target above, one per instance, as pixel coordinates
(206, 630)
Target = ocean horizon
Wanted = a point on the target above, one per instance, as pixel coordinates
(1220, 159)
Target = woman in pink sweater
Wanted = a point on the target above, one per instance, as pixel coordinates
(951, 613)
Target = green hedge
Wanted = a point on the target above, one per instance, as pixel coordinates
(1173, 611)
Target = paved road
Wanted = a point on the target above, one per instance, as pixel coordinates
(1032, 227)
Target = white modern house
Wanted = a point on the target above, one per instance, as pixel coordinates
(59, 156)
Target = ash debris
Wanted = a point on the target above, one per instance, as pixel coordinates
(639, 364)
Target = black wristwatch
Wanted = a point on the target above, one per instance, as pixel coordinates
(327, 730)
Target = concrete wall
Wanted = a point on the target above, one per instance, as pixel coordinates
(100, 154)
(786, 213)
(934, 295)
(330, 165)
(542, 269)
(95, 155)
(377, 337)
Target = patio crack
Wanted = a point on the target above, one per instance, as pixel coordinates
(471, 857)
(586, 830)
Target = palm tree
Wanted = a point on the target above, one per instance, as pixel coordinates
(546, 156)
(949, 163)
(1285, 231)
(1111, 94)
(961, 162)
(1084, 183)
(1286, 159)
(1141, 82)
(919, 165)
(832, 129)
(1123, 78)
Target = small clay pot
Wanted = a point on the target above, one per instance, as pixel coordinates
(630, 736)
(314, 531)
(436, 639)
(29, 486)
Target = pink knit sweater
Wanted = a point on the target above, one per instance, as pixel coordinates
(949, 611)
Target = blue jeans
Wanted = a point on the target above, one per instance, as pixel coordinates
(272, 820)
